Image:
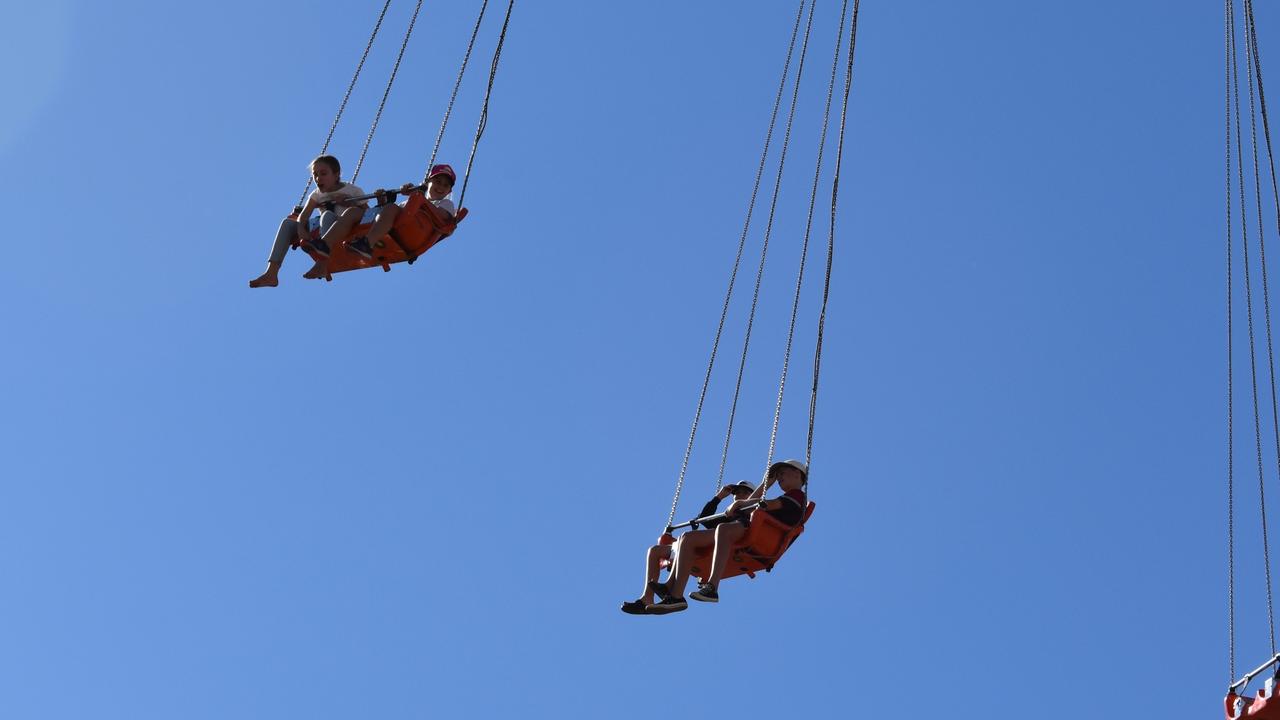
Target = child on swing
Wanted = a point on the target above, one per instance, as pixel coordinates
(440, 182)
(789, 508)
(339, 213)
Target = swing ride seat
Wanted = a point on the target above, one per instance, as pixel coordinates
(418, 227)
(1265, 705)
(766, 541)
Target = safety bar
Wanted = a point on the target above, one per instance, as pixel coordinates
(717, 516)
(390, 195)
(398, 191)
(1240, 684)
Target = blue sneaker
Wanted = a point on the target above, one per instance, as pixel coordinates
(319, 247)
(360, 246)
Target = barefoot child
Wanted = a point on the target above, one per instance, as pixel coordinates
(338, 215)
(439, 186)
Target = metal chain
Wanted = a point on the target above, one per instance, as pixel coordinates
(1253, 363)
(831, 239)
(454, 95)
(808, 228)
(484, 109)
(343, 106)
(1275, 194)
(733, 276)
(386, 93)
(1231, 562)
(1255, 79)
(764, 247)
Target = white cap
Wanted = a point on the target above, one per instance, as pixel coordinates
(797, 464)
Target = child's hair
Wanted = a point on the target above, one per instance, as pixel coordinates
(329, 160)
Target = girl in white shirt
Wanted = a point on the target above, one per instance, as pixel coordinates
(339, 213)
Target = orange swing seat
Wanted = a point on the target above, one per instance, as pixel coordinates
(418, 227)
(1263, 706)
(767, 539)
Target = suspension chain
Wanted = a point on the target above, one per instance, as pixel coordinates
(484, 109)
(808, 228)
(764, 248)
(1231, 566)
(733, 276)
(343, 106)
(386, 93)
(435, 149)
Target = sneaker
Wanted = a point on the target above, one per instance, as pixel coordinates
(360, 246)
(635, 607)
(668, 605)
(660, 590)
(705, 593)
(319, 247)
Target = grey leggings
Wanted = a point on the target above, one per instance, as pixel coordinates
(288, 232)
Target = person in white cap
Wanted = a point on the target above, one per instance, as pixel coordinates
(790, 475)
(658, 553)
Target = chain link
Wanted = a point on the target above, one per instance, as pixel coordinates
(733, 276)
(764, 248)
(808, 228)
(1231, 561)
(484, 108)
(466, 58)
(386, 93)
(1255, 81)
(343, 106)
(1253, 362)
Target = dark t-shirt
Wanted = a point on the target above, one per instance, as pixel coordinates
(791, 511)
(710, 509)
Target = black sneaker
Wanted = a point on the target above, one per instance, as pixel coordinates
(705, 593)
(360, 246)
(635, 607)
(319, 247)
(668, 605)
(660, 590)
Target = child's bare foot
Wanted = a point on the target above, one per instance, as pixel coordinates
(264, 280)
(317, 271)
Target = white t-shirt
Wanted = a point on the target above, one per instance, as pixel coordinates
(444, 204)
(338, 197)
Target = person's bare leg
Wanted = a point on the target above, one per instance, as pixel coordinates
(333, 237)
(382, 225)
(651, 569)
(689, 545)
(270, 278)
(279, 248)
(727, 535)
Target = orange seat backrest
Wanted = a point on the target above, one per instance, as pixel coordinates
(768, 537)
(418, 227)
(766, 541)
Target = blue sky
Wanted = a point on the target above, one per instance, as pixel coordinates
(424, 493)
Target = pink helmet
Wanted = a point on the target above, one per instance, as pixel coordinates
(443, 169)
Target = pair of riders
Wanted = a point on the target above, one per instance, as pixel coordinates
(721, 534)
(340, 212)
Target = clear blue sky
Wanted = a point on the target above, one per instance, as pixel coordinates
(424, 493)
